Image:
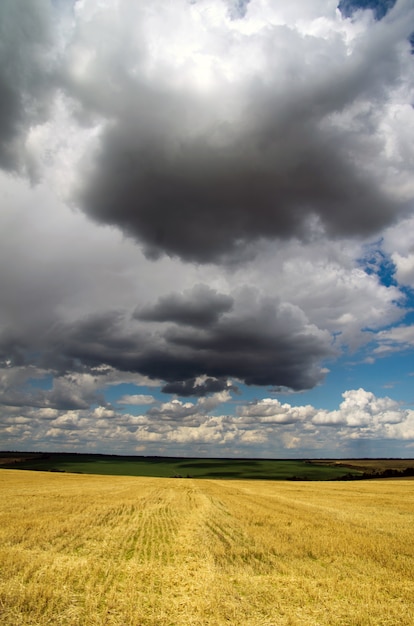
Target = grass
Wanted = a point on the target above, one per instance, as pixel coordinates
(170, 466)
(84, 550)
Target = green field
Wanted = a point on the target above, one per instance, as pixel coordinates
(166, 467)
(239, 469)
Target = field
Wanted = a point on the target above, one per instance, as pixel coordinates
(367, 465)
(88, 550)
(168, 467)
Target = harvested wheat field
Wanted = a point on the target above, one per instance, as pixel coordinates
(100, 550)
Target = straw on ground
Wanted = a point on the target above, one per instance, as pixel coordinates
(78, 550)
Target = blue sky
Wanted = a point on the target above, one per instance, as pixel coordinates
(206, 227)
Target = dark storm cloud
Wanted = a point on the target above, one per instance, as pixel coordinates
(268, 347)
(185, 179)
(9, 118)
(200, 307)
(97, 340)
(25, 74)
(193, 388)
(268, 344)
(207, 204)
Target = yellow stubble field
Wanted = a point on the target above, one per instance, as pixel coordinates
(85, 550)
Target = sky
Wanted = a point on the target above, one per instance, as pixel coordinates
(207, 227)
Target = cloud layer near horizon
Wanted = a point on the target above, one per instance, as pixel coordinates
(200, 196)
(269, 427)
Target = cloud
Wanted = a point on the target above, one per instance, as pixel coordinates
(200, 332)
(334, 287)
(270, 343)
(174, 410)
(271, 411)
(398, 242)
(27, 64)
(60, 283)
(259, 343)
(200, 307)
(31, 386)
(404, 266)
(267, 145)
(200, 386)
(394, 340)
(73, 391)
(136, 399)
(362, 415)
(237, 8)
(265, 428)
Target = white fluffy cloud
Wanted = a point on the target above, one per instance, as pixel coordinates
(262, 428)
(271, 411)
(360, 409)
(404, 265)
(136, 399)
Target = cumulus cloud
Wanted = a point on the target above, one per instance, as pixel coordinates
(399, 244)
(264, 427)
(361, 409)
(31, 386)
(334, 285)
(269, 343)
(404, 266)
(205, 156)
(272, 411)
(137, 399)
(201, 306)
(261, 342)
(66, 393)
(188, 412)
